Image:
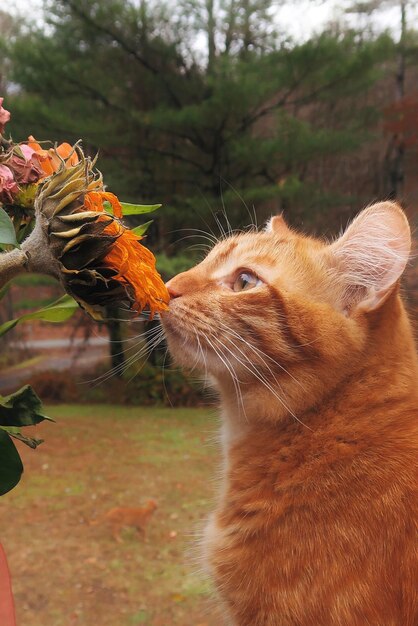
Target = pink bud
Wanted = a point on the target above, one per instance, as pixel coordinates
(28, 169)
(4, 116)
(8, 185)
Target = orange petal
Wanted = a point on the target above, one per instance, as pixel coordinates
(32, 143)
(114, 201)
(135, 265)
(65, 150)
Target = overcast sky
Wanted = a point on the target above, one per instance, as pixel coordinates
(299, 19)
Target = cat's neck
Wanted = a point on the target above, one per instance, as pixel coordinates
(386, 371)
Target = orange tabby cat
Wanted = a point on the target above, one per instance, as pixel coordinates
(312, 352)
(122, 517)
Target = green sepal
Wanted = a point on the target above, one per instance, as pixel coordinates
(142, 229)
(21, 408)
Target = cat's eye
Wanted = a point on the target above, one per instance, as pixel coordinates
(245, 281)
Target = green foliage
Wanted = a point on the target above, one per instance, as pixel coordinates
(59, 311)
(7, 230)
(34, 280)
(133, 209)
(11, 467)
(22, 408)
(56, 387)
(170, 266)
(138, 209)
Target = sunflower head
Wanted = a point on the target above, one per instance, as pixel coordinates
(99, 261)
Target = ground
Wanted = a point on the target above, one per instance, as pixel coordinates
(67, 572)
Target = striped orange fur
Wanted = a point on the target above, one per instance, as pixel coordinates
(311, 350)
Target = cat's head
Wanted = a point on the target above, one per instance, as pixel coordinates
(279, 307)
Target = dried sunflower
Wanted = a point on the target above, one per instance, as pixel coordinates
(99, 261)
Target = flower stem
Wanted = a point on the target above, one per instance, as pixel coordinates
(11, 264)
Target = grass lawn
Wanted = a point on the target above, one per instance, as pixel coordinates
(67, 572)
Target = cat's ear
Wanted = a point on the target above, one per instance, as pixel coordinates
(371, 256)
(278, 226)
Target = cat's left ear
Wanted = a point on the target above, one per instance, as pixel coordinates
(277, 225)
(371, 256)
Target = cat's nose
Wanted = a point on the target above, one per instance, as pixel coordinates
(184, 284)
(174, 293)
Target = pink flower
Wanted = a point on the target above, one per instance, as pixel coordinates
(27, 169)
(4, 116)
(8, 185)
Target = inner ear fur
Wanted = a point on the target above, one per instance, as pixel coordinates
(371, 256)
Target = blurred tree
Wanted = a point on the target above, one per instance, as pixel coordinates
(398, 113)
(9, 29)
(243, 118)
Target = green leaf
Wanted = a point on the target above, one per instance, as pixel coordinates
(138, 209)
(7, 231)
(132, 209)
(8, 326)
(11, 467)
(22, 408)
(59, 311)
(4, 290)
(141, 230)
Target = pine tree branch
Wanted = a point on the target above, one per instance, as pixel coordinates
(176, 156)
(125, 46)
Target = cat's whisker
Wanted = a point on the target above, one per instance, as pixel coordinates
(223, 234)
(258, 352)
(273, 375)
(230, 231)
(145, 316)
(163, 378)
(107, 375)
(203, 355)
(237, 193)
(261, 353)
(230, 368)
(200, 233)
(208, 245)
(146, 333)
(197, 359)
(251, 368)
(144, 342)
(147, 348)
(201, 216)
(200, 247)
(152, 342)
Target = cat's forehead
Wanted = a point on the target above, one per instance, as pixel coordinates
(271, 255)
(244, 250)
